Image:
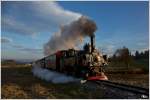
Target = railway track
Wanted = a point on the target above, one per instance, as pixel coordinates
(142, 92)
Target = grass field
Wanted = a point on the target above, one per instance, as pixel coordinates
(140, 80)
(19, 83)
(137, 73)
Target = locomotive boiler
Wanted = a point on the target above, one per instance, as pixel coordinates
(87, 63)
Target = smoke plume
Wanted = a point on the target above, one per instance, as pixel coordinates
(51, 75)
(70, 35)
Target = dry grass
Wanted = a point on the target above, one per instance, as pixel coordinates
(141, 80)
(18, 82)
(133, 75)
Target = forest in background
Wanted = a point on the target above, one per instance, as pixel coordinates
(124, 60)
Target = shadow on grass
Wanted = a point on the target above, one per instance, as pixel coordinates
(18, 75)
(17, 79)
(19, 82)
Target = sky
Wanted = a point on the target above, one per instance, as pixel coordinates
(27, 26)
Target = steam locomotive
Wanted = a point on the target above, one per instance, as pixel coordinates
(87, 63)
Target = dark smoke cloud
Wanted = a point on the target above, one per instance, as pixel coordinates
(70, 35)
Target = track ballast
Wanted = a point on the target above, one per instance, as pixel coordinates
(138, 91)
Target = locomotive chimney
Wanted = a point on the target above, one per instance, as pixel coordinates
(92, 42)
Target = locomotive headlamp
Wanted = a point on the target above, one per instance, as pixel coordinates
(98, 58)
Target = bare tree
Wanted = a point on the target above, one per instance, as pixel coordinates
(123, 55)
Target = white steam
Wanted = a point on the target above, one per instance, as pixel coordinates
(52, 76)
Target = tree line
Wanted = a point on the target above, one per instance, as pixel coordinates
(142, 55)
(124, 55)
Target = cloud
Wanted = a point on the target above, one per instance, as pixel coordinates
(19, 46)
(6, 40)
(141, 43)
(133, 51)
(108, 49)
(31, 50)
(25, 49)
(31, 18)
(16, 46)
(143, 49)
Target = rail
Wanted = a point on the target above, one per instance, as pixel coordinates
(134, 89)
